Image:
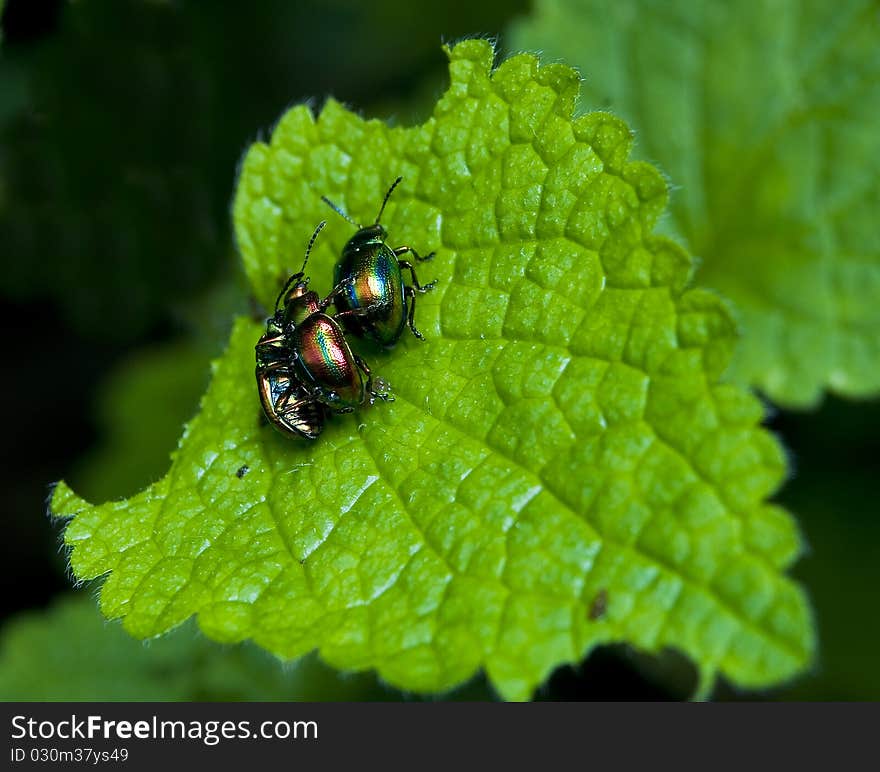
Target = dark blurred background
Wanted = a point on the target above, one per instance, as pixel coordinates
(121, 125)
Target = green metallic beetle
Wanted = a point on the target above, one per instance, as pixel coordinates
(304, 363)
(371, 278)
(287, 403)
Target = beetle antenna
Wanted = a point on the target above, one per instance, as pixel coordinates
(387, 196)
(311, 244)
(338, 211)
(284, 289)
(297, 276)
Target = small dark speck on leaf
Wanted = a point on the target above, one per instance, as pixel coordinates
(599, 605)
(242, 471)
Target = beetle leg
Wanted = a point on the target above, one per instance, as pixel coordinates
(335, 292)
(363, 311)
(274, 366)
(284, 399)
(403, 250)
(284, 370)
(278, 368)
(268, 342)
(292, 406)
(292, 388)
(365, 369)
(305, 418)
(406, 265)
(385, 396)
(410, 293)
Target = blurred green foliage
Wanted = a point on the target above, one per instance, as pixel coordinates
(141, 408)
(123, 130)
(765, 114)
(147, 397)
(114, 201)
(70, 652)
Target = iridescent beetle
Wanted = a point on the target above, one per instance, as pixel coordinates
(370, 276)
(286, 402)
(304, 363)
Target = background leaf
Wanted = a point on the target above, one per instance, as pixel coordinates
(72, 654)
(142, 406)
(562, 466)
(766, 116)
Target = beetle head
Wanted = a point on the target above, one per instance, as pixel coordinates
(367, 237)
(299, 302)
(295, 297)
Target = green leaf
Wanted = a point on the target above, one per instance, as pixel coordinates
(562, 438)
(69, 653)
(766, 116)
(141, 406)
(146, 398)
